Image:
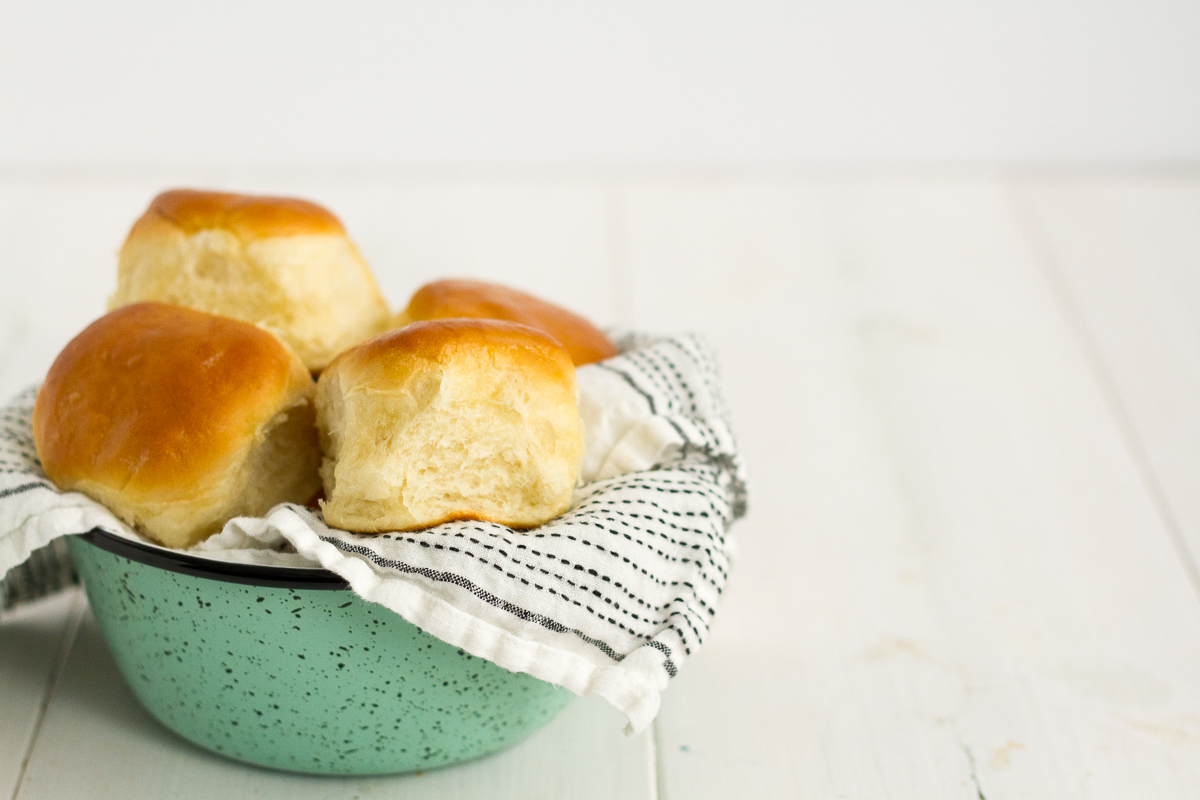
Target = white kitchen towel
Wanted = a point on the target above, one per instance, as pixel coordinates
(608, 599)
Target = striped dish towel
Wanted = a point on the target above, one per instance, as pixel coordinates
(609, 599)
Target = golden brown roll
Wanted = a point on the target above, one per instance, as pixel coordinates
(281, 263)
(178, 420)
(477, 300)
(445, 420)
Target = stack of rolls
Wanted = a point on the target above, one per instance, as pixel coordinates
(250, 359)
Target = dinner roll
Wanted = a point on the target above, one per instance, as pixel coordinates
(477, 300)
(178, 420)
(277, 262)
(445, 420)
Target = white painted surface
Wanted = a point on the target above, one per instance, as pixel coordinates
(545, 84)
(955, 580)
(550, 237)
(98, 743)
(1126, 256)
(60, 242)
(34, 641)
(952, 578)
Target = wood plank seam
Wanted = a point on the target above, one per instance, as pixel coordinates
(78, 606)
(70, 749)
(1047, 259)
(657, 773)
(970, 755)
(617, 255)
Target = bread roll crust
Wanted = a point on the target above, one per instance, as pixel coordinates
(454, 297)
(157, 411)
(281, 263)
(384, 360)
(246, 216)
(448, 420)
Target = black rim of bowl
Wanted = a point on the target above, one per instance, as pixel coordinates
(250, 574)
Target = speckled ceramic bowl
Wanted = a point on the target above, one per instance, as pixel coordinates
(289, 669)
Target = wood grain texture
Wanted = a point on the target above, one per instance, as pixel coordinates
(952, 582)
(35, 637)
(34, 641)
(1125, 258)
(97, 742)
(548, 237)
(955, 580)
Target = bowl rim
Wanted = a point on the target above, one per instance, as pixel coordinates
(228, 571)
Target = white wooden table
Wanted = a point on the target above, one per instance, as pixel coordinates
(971, 408)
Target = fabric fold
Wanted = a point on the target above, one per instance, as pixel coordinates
(609, 599)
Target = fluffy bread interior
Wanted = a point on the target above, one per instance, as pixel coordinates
(473, 430)
(280, 465)
(305, 282)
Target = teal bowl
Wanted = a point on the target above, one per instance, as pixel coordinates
(289, 669)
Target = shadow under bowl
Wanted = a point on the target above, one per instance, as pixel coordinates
(289, 669)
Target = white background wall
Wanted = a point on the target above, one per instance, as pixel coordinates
(608, 85)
